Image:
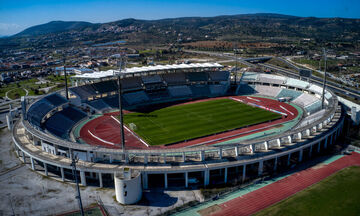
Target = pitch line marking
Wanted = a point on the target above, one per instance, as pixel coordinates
(142, 141)
(100, 138)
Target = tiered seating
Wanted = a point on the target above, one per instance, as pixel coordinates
(136, 97)
(312, 108)
(106, 86)
(289, 93)
(113, 101)
(197, 76)
(200, 90)
(174, 78)
(268, 78)
(131, 83)
(151, 79)
(84, 91)
(245, 89)
(267, 90)
(216, 90)
(180, 91)
(61, 122)
(55, 99)
(38, 110)
(249, 76)
(316, 89)
(99, 104)
(158, 95)
(297, 83)
(219, 75)
(305, 100)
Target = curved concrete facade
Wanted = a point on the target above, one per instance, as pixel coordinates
(185, 167)
(128, 188)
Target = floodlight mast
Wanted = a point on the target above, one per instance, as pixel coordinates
(122, 135)
(66, 84)
(324, 84)
(74, 160)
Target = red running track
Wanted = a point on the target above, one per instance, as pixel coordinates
(104, 130)
(275, 192)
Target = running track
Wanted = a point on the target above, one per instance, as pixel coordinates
(282, 189)
(104, 130)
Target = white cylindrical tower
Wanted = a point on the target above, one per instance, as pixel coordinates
(128, 188)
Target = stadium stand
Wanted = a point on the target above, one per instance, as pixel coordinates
(289, 93)
(55, 99)
(245, 89)
(297, 83)
(267, 90)
(200, 90)
(162, 94)
(61, 122)
(151, 79)
(137, 97)
(197, 76)
(84, 91)
(305, 100)
(249, 76)
(131, 83)
(314, 107)
(179, 91)
(268, 78)
(219, 75)
(105, 86)
(216, 90)
(113, 101)
(316, 89)
(174, 78)
(99, 104)
(37, 111)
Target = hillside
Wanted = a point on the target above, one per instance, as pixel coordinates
(246, 27)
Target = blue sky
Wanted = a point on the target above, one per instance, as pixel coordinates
(16, 15)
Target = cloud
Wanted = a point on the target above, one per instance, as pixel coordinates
(9, 28)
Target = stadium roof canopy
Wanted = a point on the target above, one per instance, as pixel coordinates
(149, 70)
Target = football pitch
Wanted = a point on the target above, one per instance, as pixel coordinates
(184, 122)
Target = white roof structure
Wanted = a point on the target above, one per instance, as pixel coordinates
(148, 69)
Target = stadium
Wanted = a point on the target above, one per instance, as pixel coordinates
(185, 126)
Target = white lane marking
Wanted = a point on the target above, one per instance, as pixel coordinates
(143, 142)
(253, 99)
(100, 138)
(286, 110)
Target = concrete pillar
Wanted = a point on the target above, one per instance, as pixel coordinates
(24, 157)
(206, 177)
(110, 158)
(183, 157)
(126, 158)
(46, 169)
(278, 142)
(236, 151)
(83, 178)
(166, 180)
(326, 141)
(164, 158)
(32, 163)
(56, 149)
(261, 166)
(289, 138)
(101, 180)
(300, 155)
(275, 164)
(220, 153)
(202, 155)
(310, 152)
(299, 135)
(265, 146)
(145, 180)
(62, 174)
(288, 160)
(318, 149)
(308, 133)
(186, 179)
(243, 174)
(225, 175)
(145, 158)
(70, 153)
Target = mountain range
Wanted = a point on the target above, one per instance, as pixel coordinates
(245, 27)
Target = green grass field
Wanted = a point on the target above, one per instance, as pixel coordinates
(184, 122)
(335, 195)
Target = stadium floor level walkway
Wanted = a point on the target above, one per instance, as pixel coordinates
(256, 200)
